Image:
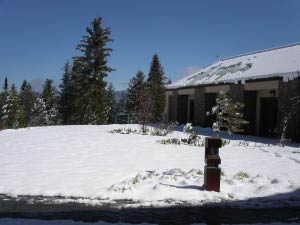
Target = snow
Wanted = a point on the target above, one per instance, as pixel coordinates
(96, 167)
(283, 62)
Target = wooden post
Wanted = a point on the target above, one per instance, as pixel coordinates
(212, 172)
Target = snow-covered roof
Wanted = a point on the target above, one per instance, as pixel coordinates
(282, 61)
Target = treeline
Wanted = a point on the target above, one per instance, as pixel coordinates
(84, 97)
(25, 108)
(146, 96)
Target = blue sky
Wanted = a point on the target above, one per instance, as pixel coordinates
(38, 36)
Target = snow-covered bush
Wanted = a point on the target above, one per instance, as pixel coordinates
(164, 129)
(193, 138)
(229, 115)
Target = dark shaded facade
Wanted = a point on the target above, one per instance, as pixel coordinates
(265, 101)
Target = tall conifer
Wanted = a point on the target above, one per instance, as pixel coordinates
(134, 91)
(27, 99)
(66, 95)
(111, 103)
(50, 98)
(156, 81)
(93, 68)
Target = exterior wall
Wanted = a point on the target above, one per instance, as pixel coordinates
(283, 90)
(168, 111)
(288, 90)
(216, 89)
(199, 101)
(189, 91)
(236, 92)
(172, 112)
(262, 85)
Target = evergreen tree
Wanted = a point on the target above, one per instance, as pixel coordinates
(93, 69)
(111, 103)
(134, 91)
(5, 86)
(156, 81)
(50, 99)
(3, 97)
(78, 97)
(27, 99)
(39, 113)
(229, 114)
(13, 112)
(169, 81)
(66, 100)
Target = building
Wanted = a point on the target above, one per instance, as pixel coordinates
(264, 81)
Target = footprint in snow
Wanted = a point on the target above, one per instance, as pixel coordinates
(277, 154)
(263, 150)
(295, 160)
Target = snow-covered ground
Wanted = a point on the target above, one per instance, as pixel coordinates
(96, 166)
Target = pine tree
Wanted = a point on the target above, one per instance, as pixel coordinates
(39, 113)
(66, 101)
(229, 114)
(50, 98)
(93, 69)
(111, 103)
(78, 91)
(5, 86)
(134, 91)
(13, 112)
(3, 97)
(156, 82)
(27, 99)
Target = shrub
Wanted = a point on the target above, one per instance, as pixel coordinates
(241, 175)
(164, 129)
(193, 138)
(174, 141)
(225, 142)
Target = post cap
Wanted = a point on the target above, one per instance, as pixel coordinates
(213, 142)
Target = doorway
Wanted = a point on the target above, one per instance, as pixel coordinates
(191, 111)
(268, 116)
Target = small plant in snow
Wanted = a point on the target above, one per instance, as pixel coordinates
(229, 115)
(164, 129)
(123, 131)
(222, 173)
(243, 143)
(174, 141)
(135, 180)
(225, 142)
(193, 138)
(199, 172)
(241, 175)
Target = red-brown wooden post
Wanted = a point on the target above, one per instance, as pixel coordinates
(212, 172)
